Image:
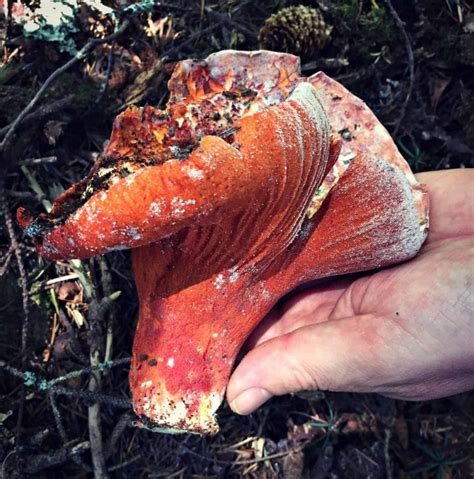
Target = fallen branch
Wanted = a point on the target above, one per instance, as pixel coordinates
(79, 56)
(62, 431)
(176, 49)
(7, 258)
(42, 461)
(41, 112)
(96, 318)
(32, 380)
(94, 397)
(38, 161)
(124, 421)
(25, 327)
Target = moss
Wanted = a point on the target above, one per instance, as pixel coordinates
(371, 27)
(377, 26)
(14, 98)
(85, 91)
(9, 70)
(348, 9)
(12, 101)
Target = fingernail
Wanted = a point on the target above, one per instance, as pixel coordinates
(249, 400)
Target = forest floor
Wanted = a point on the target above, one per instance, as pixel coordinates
(412, 62)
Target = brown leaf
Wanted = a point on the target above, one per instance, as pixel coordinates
(70, 291)
(439, 86)
(401, 430)
(293, 464)
(53, 130)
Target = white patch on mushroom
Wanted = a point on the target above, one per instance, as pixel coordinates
(213, 401)
(104, 171)
(146, 384)
(264, 293)
(114, 180)
(117, 247)
(134, 234)
(170, 362)
(130, 179)
(179, 205)
(219, 281)
(217, 72)
(91, 213)
(195, 173)
(174, 414)
(233, 274)
(155, 208)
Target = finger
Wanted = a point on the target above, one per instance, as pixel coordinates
(451, 195)
(309, 306)
(335, 355)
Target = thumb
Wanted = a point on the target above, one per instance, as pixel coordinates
(335, 355)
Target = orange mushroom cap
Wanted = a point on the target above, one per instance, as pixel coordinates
(251, 181)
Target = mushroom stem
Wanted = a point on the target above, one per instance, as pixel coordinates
(186, 342)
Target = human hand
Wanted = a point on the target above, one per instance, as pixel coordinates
(406, 332)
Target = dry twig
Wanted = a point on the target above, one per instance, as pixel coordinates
(96, 316)
(79, 56)
(191, 38)
(62, 431)
(42, 461)
(25, 328)
(41, 113)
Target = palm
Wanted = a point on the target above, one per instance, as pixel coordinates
(398, 331)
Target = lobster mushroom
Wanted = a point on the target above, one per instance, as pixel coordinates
(252, 181)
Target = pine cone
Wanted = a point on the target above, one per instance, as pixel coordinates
(298, 29)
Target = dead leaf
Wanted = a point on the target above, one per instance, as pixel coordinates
(401, 431)
(71, 292)
(439, 86)
(53, 130)
(293, 464)
(76, 315)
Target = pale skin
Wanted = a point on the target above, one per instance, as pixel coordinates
(406, 332)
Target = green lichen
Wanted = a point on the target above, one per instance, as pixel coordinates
(53, 21)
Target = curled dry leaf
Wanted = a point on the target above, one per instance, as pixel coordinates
(70, 291)
(252, 181)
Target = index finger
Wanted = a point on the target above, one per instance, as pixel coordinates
(451, 195)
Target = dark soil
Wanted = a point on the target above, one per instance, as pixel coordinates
(45, 433)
